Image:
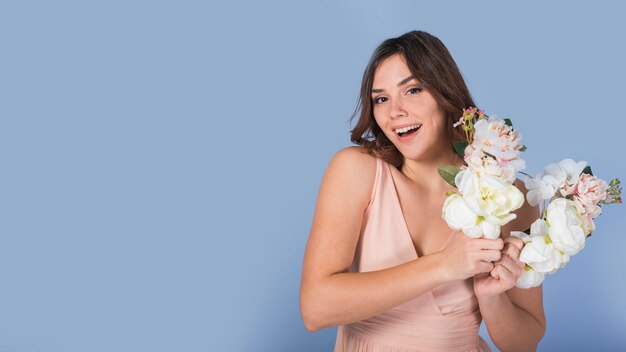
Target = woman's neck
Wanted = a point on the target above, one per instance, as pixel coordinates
(424, 172)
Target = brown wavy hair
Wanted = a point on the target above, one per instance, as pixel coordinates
(431, 63)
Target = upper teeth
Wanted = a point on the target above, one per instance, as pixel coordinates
(404, 129)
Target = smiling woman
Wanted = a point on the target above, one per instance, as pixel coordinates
(403, 106)
(380, 262)
(424, 57)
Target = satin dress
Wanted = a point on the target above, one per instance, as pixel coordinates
(446, 318)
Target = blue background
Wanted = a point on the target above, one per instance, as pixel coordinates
(160, 161)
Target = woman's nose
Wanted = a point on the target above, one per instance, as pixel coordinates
(397, 110)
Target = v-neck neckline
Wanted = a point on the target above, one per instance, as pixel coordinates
(403, 219)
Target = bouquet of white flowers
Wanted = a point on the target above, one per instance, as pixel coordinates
(486, 196)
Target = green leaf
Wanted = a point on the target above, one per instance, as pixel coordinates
(460, 148)
(523, 148)
(448, 172)
(508, 122)
(587, 170)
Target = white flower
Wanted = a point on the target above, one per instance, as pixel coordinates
(495, 137)
(457, 214)
(566, 226)
(530, 278)
(572, 170)
(554, 175)
(539, 188)
(488, 196)
(484, 228)
(460, 217)
(486, 165)
(491, 199)
(538, 252)
(561, 177)
(540, 255)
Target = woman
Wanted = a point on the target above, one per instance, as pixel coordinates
(380, 262)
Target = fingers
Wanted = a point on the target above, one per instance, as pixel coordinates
(495, 273)
(517, 242)
(511, 250)
(507, 268)
(514, 267)
(485, 243)
(485, 267)
(490, 255)
(491, 251)
(513, 253)
(499, 257)
(500, 272)
(505, 274)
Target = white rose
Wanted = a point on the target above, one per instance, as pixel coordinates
(495, 137)
(460, 217)
(541, 255)
(486, 165)
(457, 214)
(566, 226)
(539, 228)
(491, 198)
(538, 251)
(484, 228)
(489, 166)
(530, 278)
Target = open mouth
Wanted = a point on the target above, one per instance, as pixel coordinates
(407, 131)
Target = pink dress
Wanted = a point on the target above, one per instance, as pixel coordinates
(446, 318)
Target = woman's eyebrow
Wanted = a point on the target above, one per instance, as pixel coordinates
(404, 81)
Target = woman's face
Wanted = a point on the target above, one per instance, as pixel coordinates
(400, 101)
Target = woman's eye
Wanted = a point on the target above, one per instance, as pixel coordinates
(380, 100)
(414, 90)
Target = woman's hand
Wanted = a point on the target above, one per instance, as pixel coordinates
(505, 272)
(465, 256)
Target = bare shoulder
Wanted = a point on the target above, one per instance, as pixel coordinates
(354, 157)
(352, 170)
(343, 197)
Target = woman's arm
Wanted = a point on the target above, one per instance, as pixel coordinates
(515, 318)
(332, 296)
(329, 294)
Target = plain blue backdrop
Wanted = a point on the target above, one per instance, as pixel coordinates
(160, 160)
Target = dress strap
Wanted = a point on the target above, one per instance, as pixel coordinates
(377, 177)
(449, 239)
